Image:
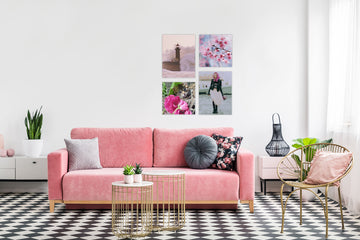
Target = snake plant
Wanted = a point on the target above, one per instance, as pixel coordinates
(33, 124)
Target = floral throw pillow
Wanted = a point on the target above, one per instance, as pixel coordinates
(227, 150)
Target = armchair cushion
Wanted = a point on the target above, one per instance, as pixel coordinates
(326, 167)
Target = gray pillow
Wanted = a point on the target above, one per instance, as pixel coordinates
(83, 154)
(200, 152)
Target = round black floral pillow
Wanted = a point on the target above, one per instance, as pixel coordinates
(227, 150)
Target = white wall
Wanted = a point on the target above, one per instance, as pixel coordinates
(318, 67)
(98, 64)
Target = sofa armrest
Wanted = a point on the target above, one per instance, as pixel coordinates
(246, 170)
(57, 168)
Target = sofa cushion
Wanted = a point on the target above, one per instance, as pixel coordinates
(90, 185)
(120, 146)
(200, 185)
(227, 150)
(200, 152)
(169, 144)
(83, 153)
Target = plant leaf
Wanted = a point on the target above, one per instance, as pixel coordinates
(173, 86)
(306, 141)
(296, 145)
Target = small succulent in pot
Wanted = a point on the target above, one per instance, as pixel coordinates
(138, 175)
(129, 174)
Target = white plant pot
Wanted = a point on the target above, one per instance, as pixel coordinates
(138, 178)
(129, 179)
(307, 196)
(33, 147)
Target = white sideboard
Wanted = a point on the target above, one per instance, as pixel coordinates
(23, 168)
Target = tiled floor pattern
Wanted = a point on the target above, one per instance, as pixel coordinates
(26, 216)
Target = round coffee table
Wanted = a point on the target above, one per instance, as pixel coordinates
(132, 209)
(168, 198)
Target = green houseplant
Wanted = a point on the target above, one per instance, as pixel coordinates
(128, 174)
(138, 176)
(33, 123)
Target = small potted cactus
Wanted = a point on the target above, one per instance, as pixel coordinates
(138, 170)
(128, 174)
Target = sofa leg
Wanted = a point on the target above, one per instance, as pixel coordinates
(251, 206)
(52, 205)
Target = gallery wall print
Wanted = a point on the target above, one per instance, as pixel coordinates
(178, 98)
(215, 93)
(215, 50)
(178, 56)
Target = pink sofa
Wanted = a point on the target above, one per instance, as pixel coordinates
(158, 148)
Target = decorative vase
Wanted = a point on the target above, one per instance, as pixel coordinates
(129, 179)
(277, 147)
(10, 152)
(33, 147)
(138, 178)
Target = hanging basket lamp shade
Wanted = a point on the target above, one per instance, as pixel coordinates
(277, 147)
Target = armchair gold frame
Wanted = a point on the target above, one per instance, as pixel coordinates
(289, 169)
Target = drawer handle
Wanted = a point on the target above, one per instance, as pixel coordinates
(34, 162)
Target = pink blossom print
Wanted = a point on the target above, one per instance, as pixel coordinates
(215, 50)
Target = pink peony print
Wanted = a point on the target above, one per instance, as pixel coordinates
(173, 104)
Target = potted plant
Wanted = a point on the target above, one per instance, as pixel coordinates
(138, 176)
(33, 123)
(309, 153)
(128, 174)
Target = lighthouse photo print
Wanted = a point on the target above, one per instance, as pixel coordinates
(178, 56)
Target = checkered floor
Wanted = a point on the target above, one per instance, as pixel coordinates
(26, 216)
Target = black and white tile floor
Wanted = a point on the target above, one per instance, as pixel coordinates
(26, 216)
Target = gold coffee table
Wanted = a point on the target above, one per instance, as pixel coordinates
(132, 209)
(168, 198)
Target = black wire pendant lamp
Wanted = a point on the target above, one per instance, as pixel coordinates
(277, 147)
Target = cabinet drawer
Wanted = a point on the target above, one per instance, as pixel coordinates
(31, 168)
(7, 173)
(7, 162)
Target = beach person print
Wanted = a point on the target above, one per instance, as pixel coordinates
(215, 92)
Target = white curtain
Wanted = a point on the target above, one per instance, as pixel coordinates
(343, 112)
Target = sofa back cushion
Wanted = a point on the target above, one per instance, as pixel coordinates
(120, 146)
(169, 144)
